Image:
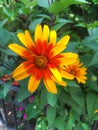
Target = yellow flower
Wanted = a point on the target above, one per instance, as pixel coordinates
(75, 70)
(42, 58)
(96, 111)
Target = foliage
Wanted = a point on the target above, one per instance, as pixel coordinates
(74, 106)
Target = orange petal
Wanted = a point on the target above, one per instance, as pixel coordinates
(22, 71)
(38, 33)
(50, 85)
(33, 83)
(21, 51)
(66, 74)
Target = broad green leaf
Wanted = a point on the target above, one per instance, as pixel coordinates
(52, 99)
(51, 115)
(59, 6)
(43, 98)
(29, 3)
(95, 2)
(72, 83)
(23, 92)
(3, 22)
(77, 95)
(70, 122)
(43, 3)
(92, 104)
(34, 24)
(94, 59)
(59, 123)
(10, 13)
(32, 110)
(85, 126)
(4, 36)
(40, 124)
(67, 99)
(6, 88)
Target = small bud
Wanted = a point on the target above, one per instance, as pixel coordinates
(94, 78)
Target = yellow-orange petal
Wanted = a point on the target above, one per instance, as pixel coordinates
(33, 83)
(26, 39)
(55, 73)
(66, 74)
(53, 37)
(50, 85)
(45, 33)
(22, 71)
(21, 51)
(61, 45)
(68, 58)
(38, 33)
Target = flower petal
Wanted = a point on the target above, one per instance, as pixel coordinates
(22, 71)
(50, 85)
(26, 39)
(66, 74)
(68, 58)
(21, 51)
(61, 45)
(53, 36)
(45, 33)
(33, 83)
(55, 72)
(38, 33)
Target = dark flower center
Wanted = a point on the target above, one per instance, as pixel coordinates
(41, 61)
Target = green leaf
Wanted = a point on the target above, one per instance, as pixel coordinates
(43, 98)
(85, 126)
(94, 60)
(6, 88)
(9, 13)
(59, 123)
(43, 3)
(34, 24)
(40, 124)
(67, 99)
(28, 3)
(95, 2)
(72, 83)
(32, 110)
(23, 92)
(4, 36)
(77, 95)
(58, 6)
(92, 104)
(51, 115)
(52, 99)
(3, 22)
(70, 122)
